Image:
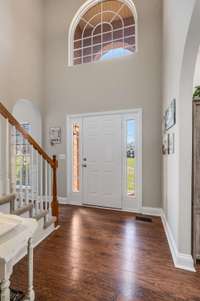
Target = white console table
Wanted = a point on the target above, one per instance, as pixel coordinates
(15, 241)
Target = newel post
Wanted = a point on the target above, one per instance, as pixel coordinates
(55, 209)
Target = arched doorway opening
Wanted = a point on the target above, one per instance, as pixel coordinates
(26, 160)
(185, 121)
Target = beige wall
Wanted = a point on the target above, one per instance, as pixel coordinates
(130, 82)
(21, 59)
(21, 51)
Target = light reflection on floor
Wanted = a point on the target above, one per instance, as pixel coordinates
(128, 260)
(75, 256)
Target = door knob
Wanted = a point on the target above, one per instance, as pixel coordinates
(84, 165)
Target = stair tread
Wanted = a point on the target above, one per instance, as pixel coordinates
(7, 199)
(51, 221)
(23, 209)
(40, 215)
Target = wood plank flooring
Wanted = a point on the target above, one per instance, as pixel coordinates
(101, 255)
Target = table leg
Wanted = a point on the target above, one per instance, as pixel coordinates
(30, 294)
(5, 290)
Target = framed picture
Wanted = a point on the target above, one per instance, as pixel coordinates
(171, 144)
(55, 135)
(165, 144)
(170, 115)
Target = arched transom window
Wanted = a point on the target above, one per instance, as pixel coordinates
(103, 30)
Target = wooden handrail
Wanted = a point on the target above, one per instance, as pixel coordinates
(53, 162)
(7, 115)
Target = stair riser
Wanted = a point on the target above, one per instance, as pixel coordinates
(42, 233)
(5, 208)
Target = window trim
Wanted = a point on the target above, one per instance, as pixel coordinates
(81, 11)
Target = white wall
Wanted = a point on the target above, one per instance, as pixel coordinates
(176, 22)
(21, 58)
(1, 160)
(180, 47)
(21, 51)
(25, 111)
(197, 71)
(126, 83)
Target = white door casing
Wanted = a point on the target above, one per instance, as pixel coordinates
(104, 197)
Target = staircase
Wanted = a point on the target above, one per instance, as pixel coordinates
(28, 176)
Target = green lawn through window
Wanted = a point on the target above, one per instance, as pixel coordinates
(131, 163)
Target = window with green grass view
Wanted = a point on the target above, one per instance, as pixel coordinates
(131, 157)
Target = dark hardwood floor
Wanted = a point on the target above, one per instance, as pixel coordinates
(101, 255)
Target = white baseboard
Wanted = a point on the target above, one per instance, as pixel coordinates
(43, 235)
(145, 210)
(151, 211)
(67, 201)
(181, 260)
(62, 200)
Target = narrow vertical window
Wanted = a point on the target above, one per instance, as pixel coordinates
(131, 157)
(76, 158)
(23, 158)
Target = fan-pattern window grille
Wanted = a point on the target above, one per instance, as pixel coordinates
(106, 26)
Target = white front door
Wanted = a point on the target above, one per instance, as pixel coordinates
(102, 161)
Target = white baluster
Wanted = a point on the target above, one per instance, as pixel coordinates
(37, 182)
(13, 160)
(41, 183)
(50, 190)
(21, 174)
(7, 173)
(46, 185)
(27, 173)
(1, 159)
(32, 177)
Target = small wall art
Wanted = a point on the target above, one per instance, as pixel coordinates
(55, 135)
(171, 144)
(170, 115)
(165, 144)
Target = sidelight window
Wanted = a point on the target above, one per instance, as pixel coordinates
(76, 157)
(131, 157)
